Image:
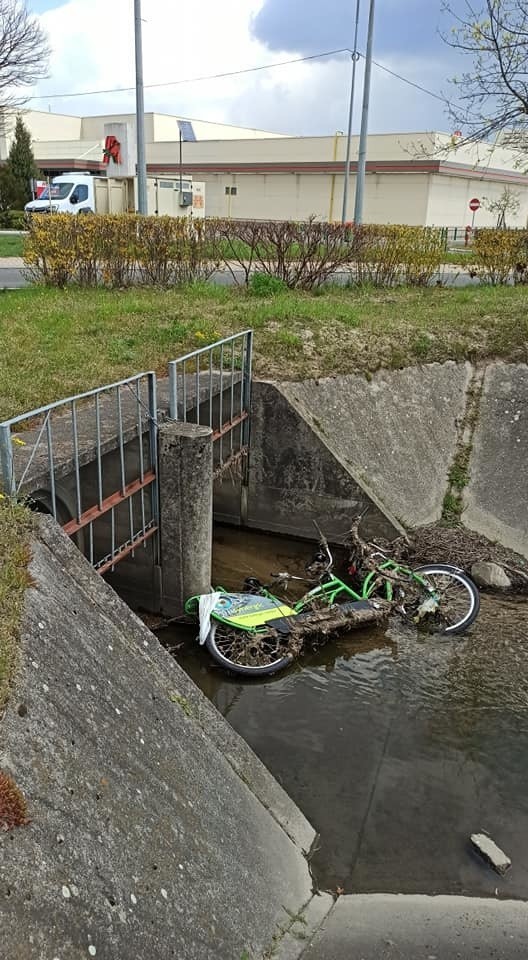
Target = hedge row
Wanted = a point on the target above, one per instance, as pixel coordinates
(501, 256)
(121, 250)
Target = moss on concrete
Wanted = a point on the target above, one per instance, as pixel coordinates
(16, 524)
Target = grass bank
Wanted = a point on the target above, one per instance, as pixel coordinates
(16, 523)
(11, 245)
(55, 343)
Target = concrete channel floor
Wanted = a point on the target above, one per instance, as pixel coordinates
(394, 927)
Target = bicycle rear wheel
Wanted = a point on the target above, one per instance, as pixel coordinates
(247, 654)
(457, 599)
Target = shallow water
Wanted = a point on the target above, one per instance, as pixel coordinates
(396, 747)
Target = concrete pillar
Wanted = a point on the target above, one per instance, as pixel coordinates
(186, 512)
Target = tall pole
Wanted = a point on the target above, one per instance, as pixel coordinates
(140, 113)
(362, 156)
(355, 58)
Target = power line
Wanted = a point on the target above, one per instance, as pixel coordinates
(174, 83)
(411, 83)
(246, 70)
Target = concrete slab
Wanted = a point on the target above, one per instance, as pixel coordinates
(496, 500)
(395, 433)
(387, 927)
(155, 832)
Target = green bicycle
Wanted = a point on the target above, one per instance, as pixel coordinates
(251, 633)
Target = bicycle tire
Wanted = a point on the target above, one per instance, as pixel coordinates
(446, 570)
(241, 669)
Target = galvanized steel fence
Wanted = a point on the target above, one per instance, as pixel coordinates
(99, 449)
(212, 387)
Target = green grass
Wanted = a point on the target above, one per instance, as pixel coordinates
(11, 245)
(460, 258)
(56, 343)
(15, 529)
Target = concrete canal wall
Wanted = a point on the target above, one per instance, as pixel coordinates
(327, 448)
(155, 831)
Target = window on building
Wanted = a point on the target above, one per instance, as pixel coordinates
(231, 191)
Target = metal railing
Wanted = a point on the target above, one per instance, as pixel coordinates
(114, 510)
(212, 387)
(93, 457)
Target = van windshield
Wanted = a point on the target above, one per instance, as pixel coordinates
(57, 191)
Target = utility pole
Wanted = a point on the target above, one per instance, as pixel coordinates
(355, 58)
(362, 156)
(140, 113)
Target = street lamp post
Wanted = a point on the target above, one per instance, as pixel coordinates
(362, 155)
(355, 58)
(140, 113)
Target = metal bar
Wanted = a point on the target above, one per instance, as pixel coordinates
(202, 350)
(131, 548)
(229, 426)
(76, 460)
(246, 387)
(121, 442)
(98, 444)
(184, 391)
(112, 515)
(95, 513)
(51, 468)
(131, 520)
(197, 389)
(142, 496)
(90, 529)
(232, 390)
(40, 411)
(140, 431)
(153, 446)
(173, 390)
(211, 388)
(221, 399)
(7, 463)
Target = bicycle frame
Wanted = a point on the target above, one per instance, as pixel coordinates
(332, 589)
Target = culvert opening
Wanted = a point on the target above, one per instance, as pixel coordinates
(394, 745)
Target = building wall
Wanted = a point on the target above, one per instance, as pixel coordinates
(449, 202)
(389, 198)
(42, 126)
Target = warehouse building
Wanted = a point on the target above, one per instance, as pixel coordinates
(420, 178)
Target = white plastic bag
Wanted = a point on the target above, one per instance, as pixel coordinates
(206, 605)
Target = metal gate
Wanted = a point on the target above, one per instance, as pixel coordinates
(113, 500)
(212, 387)
(94, 456)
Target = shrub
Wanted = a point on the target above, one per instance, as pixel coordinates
(501, 255)
(262, 285)
(396, 253)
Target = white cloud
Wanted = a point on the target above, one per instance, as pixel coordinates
(93, 48)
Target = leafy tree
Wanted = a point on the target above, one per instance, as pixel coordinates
(21, 163)
(507, 203)
(24, 54)
(492, 96)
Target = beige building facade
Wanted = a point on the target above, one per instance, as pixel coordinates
(420, 178)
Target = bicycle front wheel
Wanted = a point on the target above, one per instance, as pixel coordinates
(247, 654)
(457, 599)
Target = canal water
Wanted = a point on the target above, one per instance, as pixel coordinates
(395, 746)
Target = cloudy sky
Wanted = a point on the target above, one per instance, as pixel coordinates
(92, 42)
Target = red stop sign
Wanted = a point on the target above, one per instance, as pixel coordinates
(474, 204)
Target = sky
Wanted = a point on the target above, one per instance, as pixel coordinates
(92, 45)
